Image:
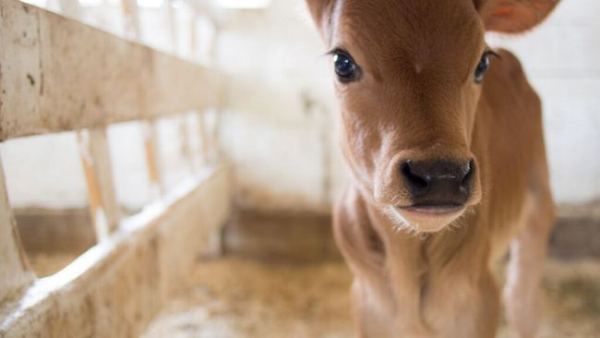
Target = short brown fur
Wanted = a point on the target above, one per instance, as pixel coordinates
(431, 276)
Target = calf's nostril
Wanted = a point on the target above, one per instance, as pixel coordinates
(469, 171)
(417, 184)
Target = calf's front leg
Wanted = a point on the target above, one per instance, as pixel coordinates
(522, 292)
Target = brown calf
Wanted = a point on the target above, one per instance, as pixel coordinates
(448, 164)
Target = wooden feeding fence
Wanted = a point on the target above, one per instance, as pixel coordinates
(58, 74)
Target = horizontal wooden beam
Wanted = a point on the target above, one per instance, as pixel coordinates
(115, 288)
(57, 74)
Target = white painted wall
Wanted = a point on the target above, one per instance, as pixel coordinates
(44, 171)
(278, 125)
(562, 61)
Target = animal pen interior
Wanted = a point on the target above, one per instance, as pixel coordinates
(168, 167)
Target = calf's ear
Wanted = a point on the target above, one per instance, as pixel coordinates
(321, 13)
(513, 16)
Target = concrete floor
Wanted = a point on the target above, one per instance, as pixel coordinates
(238, 298)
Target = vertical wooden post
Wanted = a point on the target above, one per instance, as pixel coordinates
(152, 158)
(151, 149)
(203, 130)
(170, 12)
(207, 134)
(96, 162)
(69, 8)
(14, 269)
(213, 139)
(132, 19)
(185, 130)
(193, 34)
(186, 145)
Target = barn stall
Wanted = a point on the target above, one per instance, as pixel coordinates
(168, 169)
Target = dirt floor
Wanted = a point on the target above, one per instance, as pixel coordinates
(237, 298)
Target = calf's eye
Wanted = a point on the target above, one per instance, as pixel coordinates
(483, 66)
(345, 68)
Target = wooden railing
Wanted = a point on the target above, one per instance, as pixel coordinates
(57, 74)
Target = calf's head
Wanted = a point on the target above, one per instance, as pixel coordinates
(409, 76)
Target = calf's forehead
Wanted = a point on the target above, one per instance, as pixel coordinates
(430, 33)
